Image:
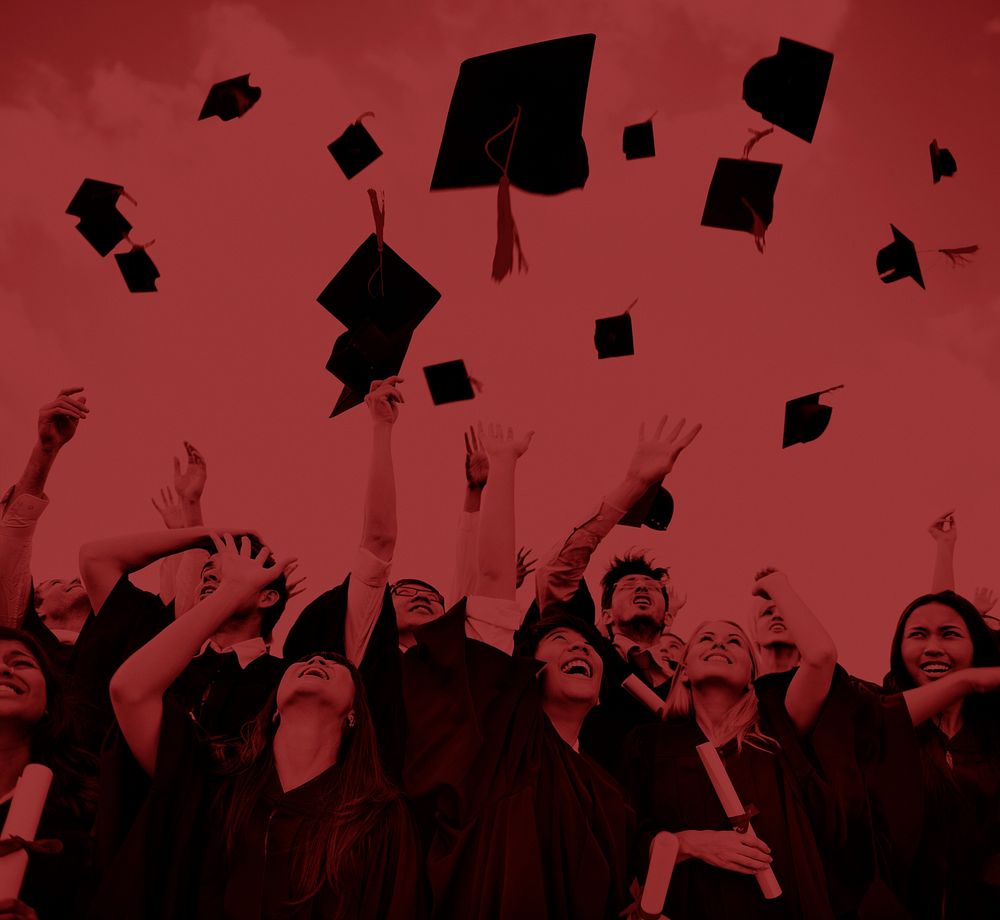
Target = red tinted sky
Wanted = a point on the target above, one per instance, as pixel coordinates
(252, 218)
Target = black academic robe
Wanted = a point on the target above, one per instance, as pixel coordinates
(320, 627)
(519, 825)
(671, 791)
(174, 865)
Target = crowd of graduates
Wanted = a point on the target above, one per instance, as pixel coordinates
(406, 753)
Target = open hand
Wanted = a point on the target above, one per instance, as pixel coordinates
(984, 599)
(727, 850)
(58, 420)
(170, 508)
(241, 573)
(477, 461)
(655, 457)
(525, 566)
(383, 400)
(190, 482)
(497, 444)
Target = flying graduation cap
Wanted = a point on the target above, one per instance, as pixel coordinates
(899, 259)
(741, 197)
(230, 99)
(654, 510)
(381, 300)
(101, 224)
(942, 162)
(637, 141)
(806, 418)
(138, 269)
(355, 149)
(516, 118)
(449, 382)
(788, 88)
(613, 335)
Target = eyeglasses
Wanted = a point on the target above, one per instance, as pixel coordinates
(414, 590)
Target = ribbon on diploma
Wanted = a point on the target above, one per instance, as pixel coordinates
(13, 844)
(741, 823)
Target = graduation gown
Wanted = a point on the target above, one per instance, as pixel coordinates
(174, 865)
(670, 790)
(518, 824)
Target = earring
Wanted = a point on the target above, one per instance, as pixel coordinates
(276, 717)
(350, 720)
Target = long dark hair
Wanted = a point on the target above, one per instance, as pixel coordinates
(339, 837)
(54, 738)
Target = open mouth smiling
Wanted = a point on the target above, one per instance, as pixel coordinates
(314, 670)
(577, 667)
(9, 688)
(717, 656)
(935, 668)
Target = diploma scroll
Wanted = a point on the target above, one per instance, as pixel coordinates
(643, 693)
(662, 856)
(734, 809)
(22, 821)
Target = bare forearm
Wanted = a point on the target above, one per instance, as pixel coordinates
(497, 542)
(814, 643)
(473, 499)
(380, 527)
(930, 699)
(36, 473)
(943, 576)
(627, 492)
(192, 513)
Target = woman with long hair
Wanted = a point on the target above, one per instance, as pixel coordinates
(943, 815)
(37, 726)
(298, 820)
(755, 726)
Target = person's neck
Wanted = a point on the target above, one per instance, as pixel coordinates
(950, 720)
(232, 632)
(643, 637)
(304, 746)
(15, 755)
(72, 618)
(712, 704)
(567, 718)
(406, 638)
(778, 657)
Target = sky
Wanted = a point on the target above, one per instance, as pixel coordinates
(252, 218)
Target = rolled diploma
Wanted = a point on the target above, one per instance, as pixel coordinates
(642, 693)
(662, 855)
(731, 805)
(22, 821)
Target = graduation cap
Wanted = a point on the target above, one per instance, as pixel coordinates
(613, 335)
(355, 148)
(101, 224)
(637, 141)
(788, 88)
(942, 162)
(449, 382)
(362, 355)
(516, 118)
(898, 260)
(741, 197)
(653, 510)
(138, 270)
(806, 418)
(230, 99)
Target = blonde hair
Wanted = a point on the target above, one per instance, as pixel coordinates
(742, 721)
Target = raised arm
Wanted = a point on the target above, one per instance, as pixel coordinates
(936, 696)
(477, 471)
(811, 684)
(189, 483)
(944, 534)
(557, 578)
(139, 684)
(26, 500)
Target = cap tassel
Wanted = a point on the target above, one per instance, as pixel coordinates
(363, 115)
(378, 211)
(757, 137)
(959, 255)
(759, 227)
(507, 235)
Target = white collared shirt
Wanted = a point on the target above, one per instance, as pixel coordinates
(247, 651)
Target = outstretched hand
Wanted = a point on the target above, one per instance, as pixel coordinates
(497, 444)
(384, 399)
(942, 529)
(240, 571)
(58, 420)
(655, 457)
(525, 566)
(189, 483)
(477, 461)
(170, 508)
(984, 599)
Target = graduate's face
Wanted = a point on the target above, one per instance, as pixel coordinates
(718, 653)
(671, 648)
(59, 603)
(22, 684)
(935, 643)
(317, 680)
(638, 602)
(573, 669)
(770, 627)
(415, 604)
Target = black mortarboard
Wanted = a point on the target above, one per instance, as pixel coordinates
(101, 224)
(942, 162)
(449, 382)
(355, 149)
(230, 99)
(898, 260)
(361, 355)
(393, 298)
(548, 81)
(805, 418)
(740, 189)
(637, 141)
(654, 510)
(788, 88)
(138, 270)
(613, 336)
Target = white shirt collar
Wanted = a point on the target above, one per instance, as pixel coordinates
(247, 651)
